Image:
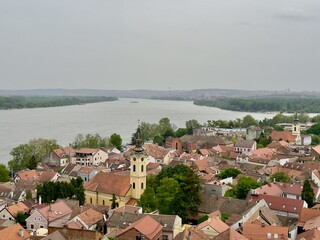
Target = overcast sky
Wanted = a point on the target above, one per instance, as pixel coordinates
(147, 44)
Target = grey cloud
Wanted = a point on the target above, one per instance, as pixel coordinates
(293, 14)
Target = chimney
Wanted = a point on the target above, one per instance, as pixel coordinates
(21, 232)
(81, 208)
(40, 200)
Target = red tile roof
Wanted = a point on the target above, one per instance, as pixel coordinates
(280, 204)
(146, 225)
(259, 232)
(313, 234)
(306, 214)
(283, 135)
(19, 207)
(54, 211)
(215, 223)
(109, 183)
(12, 233)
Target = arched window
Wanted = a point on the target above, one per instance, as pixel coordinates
(103, 202)
(91, 200)
(142, 185)
(134, 168)
(133, 185)
(141, 168)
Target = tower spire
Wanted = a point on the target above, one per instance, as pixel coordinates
(138, 141)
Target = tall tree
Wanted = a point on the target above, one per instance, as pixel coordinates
(114, 202)
(4, 173)
(116, 141)
(178, 188)
(192, 124)
(307, 193)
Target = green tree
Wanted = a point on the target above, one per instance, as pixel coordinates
(50, 191)
(22, 154)
(90, 141)
(229, 172)
(314, 129)
(116, 141)
(244, 185)
(32, 164)
(192, 124)
(21, 218)
(28, 195)
(114, 203)
(307, 193)
(158, 139)
(230, 193)
(185, 196)
(4, 173)
(166, 193)
(248, 121)
(181, 132)
(148, 200)
(280, 177)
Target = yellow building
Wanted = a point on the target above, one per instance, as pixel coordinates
(124, 185)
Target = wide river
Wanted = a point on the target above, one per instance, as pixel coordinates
(65, 123)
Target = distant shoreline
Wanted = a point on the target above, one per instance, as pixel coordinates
(26, 102)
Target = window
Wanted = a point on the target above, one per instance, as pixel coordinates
(91, 200)
(134, 168)
(142, 159)
(32, 226)
(41, 226)
(134, 185)
(103, 202)
(164, 237)
(142, 185)
(141, 168)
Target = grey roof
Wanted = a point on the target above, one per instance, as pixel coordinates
(54, 236)
(224, 205)
(244, 143)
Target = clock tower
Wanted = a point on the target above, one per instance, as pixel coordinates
(138, 174)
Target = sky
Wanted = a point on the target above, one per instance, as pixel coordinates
(160, 44)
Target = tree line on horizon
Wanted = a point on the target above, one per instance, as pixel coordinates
(265, 104)
(18, 102)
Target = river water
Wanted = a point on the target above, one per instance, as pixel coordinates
(65, 123)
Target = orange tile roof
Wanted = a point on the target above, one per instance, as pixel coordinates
(259, 232)
(87, 150)
(19, 207)
(109, 183)
(28, 175)
(12, 233)
(90, 217)
(313, 234)
(46, 176)
(312, 223)
(54, 211)
(146, 225)
(215, 223)
(269, 189)
(306, 214)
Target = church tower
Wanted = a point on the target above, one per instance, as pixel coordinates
(296, 129)
(138, 171)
